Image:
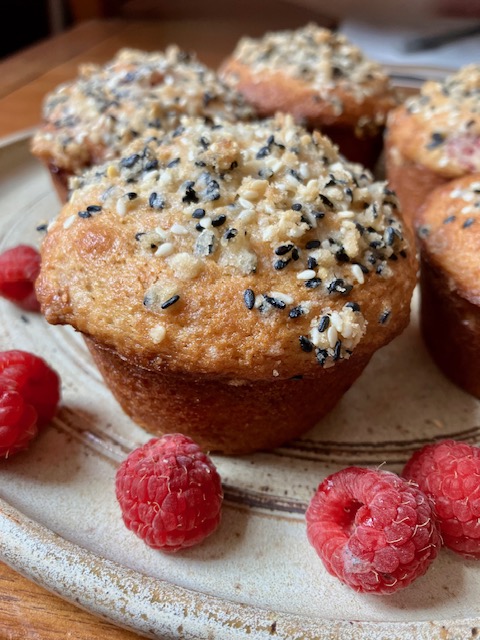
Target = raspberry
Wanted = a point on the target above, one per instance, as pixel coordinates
(29, 394)
(372, 529)
(449, 472)
(19, 268)
(170, 493)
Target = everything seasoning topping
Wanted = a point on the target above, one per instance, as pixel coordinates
(108, 106)
(449, 112)
(305, 239)
(314, 55)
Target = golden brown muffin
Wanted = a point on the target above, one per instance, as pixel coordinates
(449, 232)
(434, 137)
(234, 291)
(92, 119)
(322, 79)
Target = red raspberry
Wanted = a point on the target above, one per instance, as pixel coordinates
(170, 493)
(372, 529)
(29, 394)
(449, 472)
(19, 268)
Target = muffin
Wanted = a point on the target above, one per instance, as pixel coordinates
(91, 119)
(449, 232)
(322, 79)
(236, 289)
(434, 137)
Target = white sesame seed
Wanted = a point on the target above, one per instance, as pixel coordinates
(336, 321)
(158, 333)
(164, 249)
(332, 336)
(121, 206)
(346, 215)
(246, 204)
(307, 274)
(358, 273)
(69, 221)
(178, 229)
(206, 222)
(275, 373)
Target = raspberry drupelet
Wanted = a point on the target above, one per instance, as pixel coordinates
(170, 493)
(449, 472)
(372, 529)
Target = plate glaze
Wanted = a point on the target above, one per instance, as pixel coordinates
(257, 576)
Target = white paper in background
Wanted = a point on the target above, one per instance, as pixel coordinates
(389, 44)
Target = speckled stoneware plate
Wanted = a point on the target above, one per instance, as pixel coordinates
(257, 576)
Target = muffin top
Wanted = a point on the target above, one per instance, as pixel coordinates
(440, 127)
(248, 250)
(320, 68)
(449, 229)
(92, 118)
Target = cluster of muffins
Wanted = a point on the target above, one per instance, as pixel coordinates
(231, 269)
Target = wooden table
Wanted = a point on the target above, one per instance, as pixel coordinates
(27, 611)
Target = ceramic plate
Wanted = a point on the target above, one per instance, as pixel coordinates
(257, 576)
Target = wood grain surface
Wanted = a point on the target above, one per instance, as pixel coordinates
(27, 611)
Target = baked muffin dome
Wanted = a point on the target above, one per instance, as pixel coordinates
(434, 137)
(92, 118)
(449, 233)
(238, 258)
(319, 77)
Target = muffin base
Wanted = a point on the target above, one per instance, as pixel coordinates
(450, 326)
(60, 179)
(364, 149)
(223, 415)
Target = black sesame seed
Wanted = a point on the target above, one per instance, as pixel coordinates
(156, 201)
(342, 256)
(322, 355)
(94, 208)
(318, 214)
(283, 249)
(313, 283)
(234, 165)
(296, 312)
(384, 317)
(84, 214)
(278, 304)
(349, 193)
(190, 193)
(230, 233)
(131, 195)
(326, 201)
(324, 323)
(360, 228)
(312, 263)
(129, 161)
(468, 223)
(295, 174)
(449, 219)
(213, 190)
(270, 140)
(298, 377)
(313, 244)
(296, 206)
(354, 306)
(199, 227)
(423, 232)
(280, 264)
(393, 257)
(337, 350)
(139, 235)
(178, 132)
(41, 227)
(170, 301)
(219, 220)
(151, 165)
(436, 140)
(173, 163)
(249, 298)
(403, 253)
(200, 163)
(390, 235)
(204, 142)
(305, 344)
(264, 151)
(338, 286)
(198, 213)
(295, 254)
